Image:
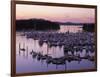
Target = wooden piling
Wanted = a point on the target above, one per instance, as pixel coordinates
(19, 48)
(27, 52)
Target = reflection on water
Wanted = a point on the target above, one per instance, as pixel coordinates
(68, 28)
(32, 56)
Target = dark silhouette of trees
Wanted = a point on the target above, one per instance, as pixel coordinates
(90, 27)
(36, 24)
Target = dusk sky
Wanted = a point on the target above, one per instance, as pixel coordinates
(55, 13)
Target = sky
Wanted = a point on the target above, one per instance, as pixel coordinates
(55, 13)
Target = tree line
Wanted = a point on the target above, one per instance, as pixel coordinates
(90, 27)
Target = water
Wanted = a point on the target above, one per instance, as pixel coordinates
(71, 28)
(26, 63)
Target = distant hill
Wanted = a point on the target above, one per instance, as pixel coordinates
(72, 23)
(37, 24)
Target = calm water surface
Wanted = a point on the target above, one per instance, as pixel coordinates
(26, 63)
